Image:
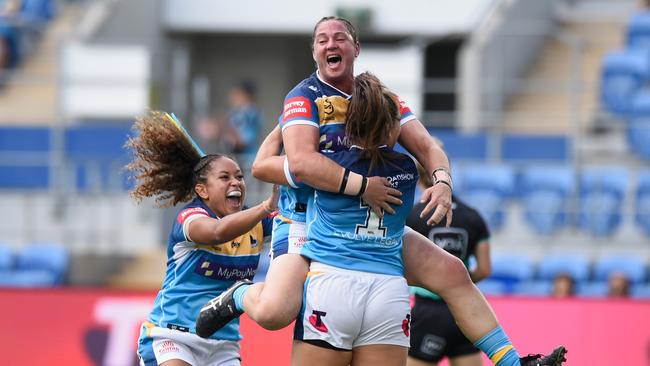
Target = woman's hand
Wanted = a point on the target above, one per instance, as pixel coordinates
(271, 203)
(438, 196)
(379, 195)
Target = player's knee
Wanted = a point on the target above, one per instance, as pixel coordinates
(455, 273)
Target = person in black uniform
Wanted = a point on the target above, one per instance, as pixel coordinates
(434, 333)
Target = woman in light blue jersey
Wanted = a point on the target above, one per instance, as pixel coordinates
(213, 243)
(356, 302)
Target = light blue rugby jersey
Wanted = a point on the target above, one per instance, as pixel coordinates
(316, 103)
(344, 232)
(196, 273)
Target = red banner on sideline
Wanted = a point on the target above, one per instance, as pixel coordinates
(100, 327)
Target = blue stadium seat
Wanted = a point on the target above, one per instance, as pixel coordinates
(512, 268)
(638, 31)
(642, 208)
(7, 258)
(28, 279)
(623, 73)
(96, 154)
(573, 264)
(591, 289)
(601, 199)
(633, 266)
(638, 125)
(462, 146)
(52, 258)
(486, 188)
(533, 288)
(526, 148)
(492, 287)
(640, 291)
(544, 194)
(32, 143)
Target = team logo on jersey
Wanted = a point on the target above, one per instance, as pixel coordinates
(316, 320)
(332, 109)
(297, 107)
(183, 215)
(406, 325)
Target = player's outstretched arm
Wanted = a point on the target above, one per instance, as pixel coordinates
(417, 140)
(206, 230)
(310, 166)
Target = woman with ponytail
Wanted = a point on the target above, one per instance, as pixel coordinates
(214, 241)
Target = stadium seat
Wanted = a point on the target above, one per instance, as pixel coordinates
(623, 73)
(544, 194)
(32, 144)
(591, 289)
(516, 148)
(486, 188)
(633, 266)
(52, 258)
(463, 146)
(7, 258)
(492, 287)
(640, 291)
(533, 288)
(638, 31)
(601, 199)
(96, 163)
(638, 125)
(642, 207)
(511, 268)
(28, 279)
(574, 264)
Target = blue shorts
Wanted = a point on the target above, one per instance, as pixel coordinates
(288, 236)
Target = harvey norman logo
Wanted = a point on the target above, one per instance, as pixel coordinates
(297, 107)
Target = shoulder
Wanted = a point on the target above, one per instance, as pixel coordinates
(191, 210)
(306, 88)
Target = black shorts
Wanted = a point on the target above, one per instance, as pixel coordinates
(434, 333)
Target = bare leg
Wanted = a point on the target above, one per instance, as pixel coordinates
(379, 355)
(305, 354)
(429, 266)
(415, 362)
(275, 303)
(175, 362)
(475, 359)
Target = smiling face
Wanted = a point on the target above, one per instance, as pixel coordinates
(334, 51)
(224, 188)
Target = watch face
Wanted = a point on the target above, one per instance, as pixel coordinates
(453, 240)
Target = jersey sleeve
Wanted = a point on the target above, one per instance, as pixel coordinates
(299, 108)
(188, 215)
(267, 224)
(405, 112)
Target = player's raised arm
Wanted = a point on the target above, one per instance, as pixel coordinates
(417, 140)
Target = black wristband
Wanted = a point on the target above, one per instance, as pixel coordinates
(364, 184)
(344, 182)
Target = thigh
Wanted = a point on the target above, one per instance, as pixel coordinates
(475, 359)
(429, 266)
(387, 314)
(379, 355)
(283, 285)
(305, 354)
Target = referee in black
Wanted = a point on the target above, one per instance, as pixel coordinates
(434, 333)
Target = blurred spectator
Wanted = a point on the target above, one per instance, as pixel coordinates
(618, 285)
(563, 286)
(244, 123)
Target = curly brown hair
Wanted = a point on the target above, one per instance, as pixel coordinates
(164, 163)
